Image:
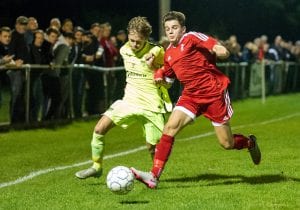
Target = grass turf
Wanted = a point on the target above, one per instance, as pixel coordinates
(199, 174)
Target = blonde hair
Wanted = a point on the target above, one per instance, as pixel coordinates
(140, 25)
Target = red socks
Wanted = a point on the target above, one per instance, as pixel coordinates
(164, 148)
(162, 152)
(240, 141)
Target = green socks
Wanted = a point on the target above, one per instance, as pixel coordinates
(97, 150)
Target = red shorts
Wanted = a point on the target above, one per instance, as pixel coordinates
(219, 110)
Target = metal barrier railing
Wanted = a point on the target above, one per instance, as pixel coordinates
(30, 67)
(246, 78)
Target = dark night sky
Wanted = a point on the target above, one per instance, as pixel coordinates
(245, 18)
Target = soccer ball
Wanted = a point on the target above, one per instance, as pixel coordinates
(120, 180)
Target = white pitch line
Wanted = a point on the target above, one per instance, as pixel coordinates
(59, 168)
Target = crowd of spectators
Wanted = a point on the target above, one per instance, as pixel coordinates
(62, 43)
(260, 48)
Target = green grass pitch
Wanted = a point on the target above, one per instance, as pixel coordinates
(37, 166)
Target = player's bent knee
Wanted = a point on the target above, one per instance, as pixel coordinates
(98, 130)
(171, 129)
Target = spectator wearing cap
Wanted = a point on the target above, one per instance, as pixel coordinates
(32, 26)
(77, 73)
(19, 48)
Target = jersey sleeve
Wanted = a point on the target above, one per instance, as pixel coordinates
(203, 41)
(169, 74)
(158, 53)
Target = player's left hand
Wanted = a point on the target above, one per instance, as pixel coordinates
(149, 58)
(220, 51)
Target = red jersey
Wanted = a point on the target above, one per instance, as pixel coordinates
(110, 51)
(192, 62)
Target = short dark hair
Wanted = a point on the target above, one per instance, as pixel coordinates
(87, 33)
(52, 30)
(66, 20)
(5, 29)
(95, 25)
(174, 15)
(39, 31)
(69, 35)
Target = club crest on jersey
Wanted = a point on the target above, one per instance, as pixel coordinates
(181, 47)
(169, 58)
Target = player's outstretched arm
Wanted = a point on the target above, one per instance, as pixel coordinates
(160, 79)
(220, 51)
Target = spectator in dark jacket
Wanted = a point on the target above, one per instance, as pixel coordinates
(32, 26)
(50, 79)
(5, 58)
(94, 93)
(61, 53)
(77, 73)
(19, 48)
(37, 56)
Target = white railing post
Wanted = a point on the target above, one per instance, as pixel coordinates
(27, 92)
(263, 82)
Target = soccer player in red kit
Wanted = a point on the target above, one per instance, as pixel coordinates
(191, 58)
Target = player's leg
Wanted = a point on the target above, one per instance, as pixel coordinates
(176, 122)
(97, 145)
(120, 113)
(220, 112)
(224, 135)
(153, 124)
(238, 141)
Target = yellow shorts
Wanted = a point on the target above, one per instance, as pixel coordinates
(124, 114)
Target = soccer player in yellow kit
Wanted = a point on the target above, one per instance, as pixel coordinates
(143, 101)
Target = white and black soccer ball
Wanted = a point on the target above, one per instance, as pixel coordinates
(120, 180)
